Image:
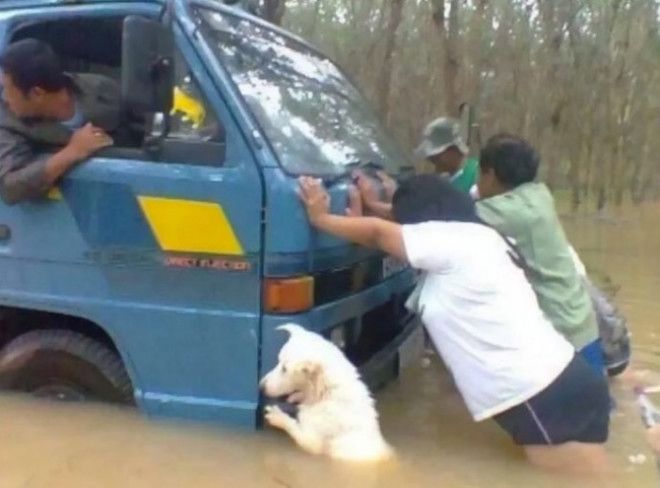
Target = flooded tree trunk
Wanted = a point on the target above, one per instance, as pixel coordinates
(481, 25)
(446, 24)
(311, 28)
(273, 10)
(385, 78)
(563, 73)
(552, 15)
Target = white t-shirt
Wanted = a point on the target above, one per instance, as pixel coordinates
(483, 316)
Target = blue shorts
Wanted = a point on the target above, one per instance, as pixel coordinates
(575, 407)
(593, 354)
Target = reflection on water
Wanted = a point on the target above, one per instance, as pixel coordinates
(54, 445)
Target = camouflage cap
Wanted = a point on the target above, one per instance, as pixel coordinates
(439, 135)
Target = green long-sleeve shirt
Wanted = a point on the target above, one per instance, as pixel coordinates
(527, 214)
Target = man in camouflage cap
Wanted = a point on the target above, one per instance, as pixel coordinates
(444, 147)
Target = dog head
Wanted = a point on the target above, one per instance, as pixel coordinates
(303, 365)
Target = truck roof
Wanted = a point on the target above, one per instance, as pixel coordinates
(10, 4)
(234, 8)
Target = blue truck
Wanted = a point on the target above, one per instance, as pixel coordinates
(158, 274)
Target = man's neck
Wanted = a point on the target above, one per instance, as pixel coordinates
(63, 106)
(458, 166)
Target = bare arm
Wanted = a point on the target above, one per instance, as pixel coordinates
(382, 210)
(367, 231)
(371, 198)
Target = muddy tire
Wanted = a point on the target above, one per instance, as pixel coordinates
(64, 365)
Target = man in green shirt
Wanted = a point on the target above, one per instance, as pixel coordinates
(518, 208)
(441, 145)
(524, 210)
(444, 147)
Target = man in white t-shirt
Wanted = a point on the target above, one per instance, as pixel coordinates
(483, 316)
(507, 360)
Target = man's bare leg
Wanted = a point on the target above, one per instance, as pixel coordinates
(571, 457)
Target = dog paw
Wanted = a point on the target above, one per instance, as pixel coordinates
(276, 417)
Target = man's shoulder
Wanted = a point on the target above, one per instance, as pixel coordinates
(447, 231)
(472, 171)
(502, 211)
(10, 125)
(534, 196)
(472, 164)
(466, 177)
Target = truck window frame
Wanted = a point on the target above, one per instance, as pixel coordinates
(173, 149)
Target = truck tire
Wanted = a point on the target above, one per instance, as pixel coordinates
(64, 365)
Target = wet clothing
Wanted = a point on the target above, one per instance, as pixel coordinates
(575, 407)
(593, 355)
(527, 215)
(25, 145)
(482, 316)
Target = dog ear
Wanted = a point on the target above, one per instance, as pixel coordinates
(317, 387)
(291, 328)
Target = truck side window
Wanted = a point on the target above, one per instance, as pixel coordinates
(191, 118)
(196, 136)
(93, 45)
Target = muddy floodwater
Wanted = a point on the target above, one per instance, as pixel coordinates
(57, 445)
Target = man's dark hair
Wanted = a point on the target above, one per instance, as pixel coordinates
(513, 159)
(423, 198)
(31, 63)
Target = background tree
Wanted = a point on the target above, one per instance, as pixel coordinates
(579, 78)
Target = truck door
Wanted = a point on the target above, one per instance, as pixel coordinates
(160, 248)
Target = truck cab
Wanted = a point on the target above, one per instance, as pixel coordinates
(159, 273)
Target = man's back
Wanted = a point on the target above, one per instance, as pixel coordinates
(527, 214)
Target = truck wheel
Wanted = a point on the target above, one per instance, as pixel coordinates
(64, 365)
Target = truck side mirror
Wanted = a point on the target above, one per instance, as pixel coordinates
(147, 65)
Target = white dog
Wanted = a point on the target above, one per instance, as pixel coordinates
(336, 414)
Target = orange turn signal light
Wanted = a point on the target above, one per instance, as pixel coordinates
(289, 295)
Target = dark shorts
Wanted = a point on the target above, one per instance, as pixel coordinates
(575, 407)
(593, 354)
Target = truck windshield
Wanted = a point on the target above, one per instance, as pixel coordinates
(317, 121)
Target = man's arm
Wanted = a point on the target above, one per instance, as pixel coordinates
(382, 210)
(367, 231)
(21, 171)
(24, 175)
(370, 196)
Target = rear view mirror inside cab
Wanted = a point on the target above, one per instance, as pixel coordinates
(147, 65)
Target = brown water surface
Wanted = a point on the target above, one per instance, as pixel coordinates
(57, 445)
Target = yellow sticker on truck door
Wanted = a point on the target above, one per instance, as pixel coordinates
(190, 226)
